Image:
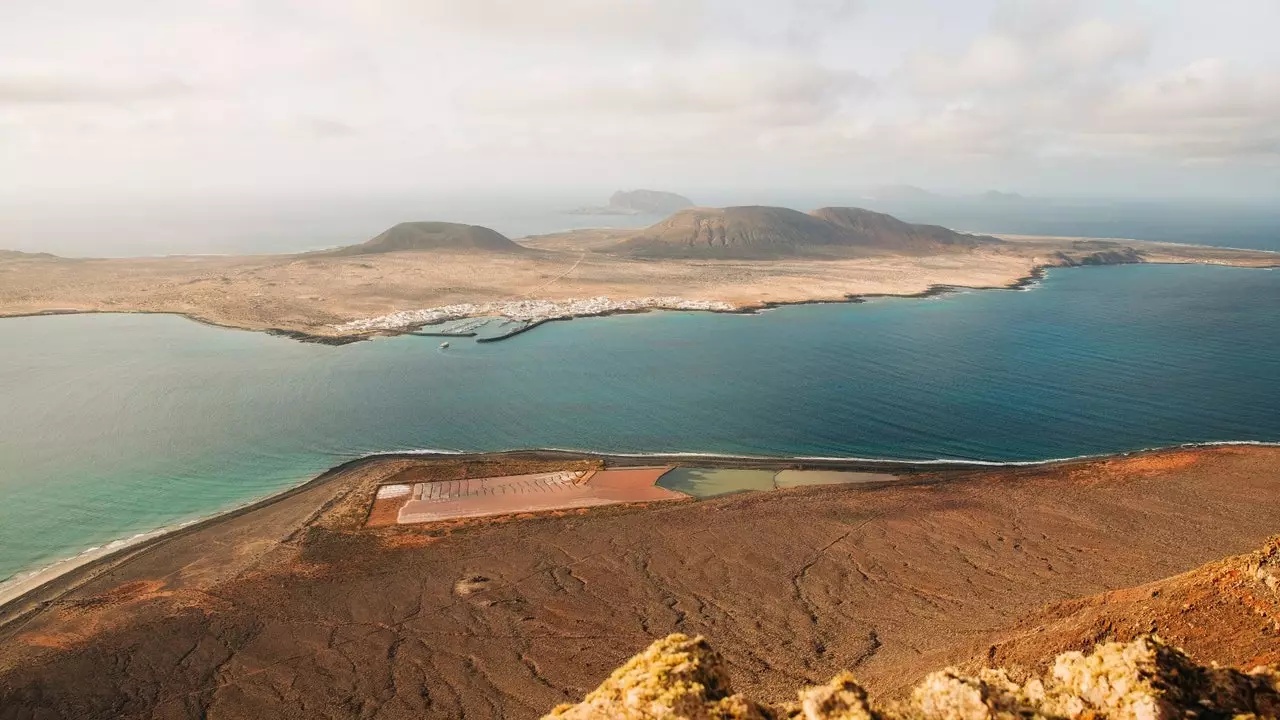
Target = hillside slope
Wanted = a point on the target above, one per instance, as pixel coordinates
(1063, 661)
(1228, 611)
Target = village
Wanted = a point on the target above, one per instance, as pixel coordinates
(527, 311)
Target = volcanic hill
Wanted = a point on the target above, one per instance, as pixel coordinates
(433, 236)
(758, 231)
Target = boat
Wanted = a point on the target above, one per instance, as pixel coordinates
(444, 345)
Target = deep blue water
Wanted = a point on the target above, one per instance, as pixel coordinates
(115, 424)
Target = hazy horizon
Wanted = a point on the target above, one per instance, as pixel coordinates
(1061, 98)
(256, 223)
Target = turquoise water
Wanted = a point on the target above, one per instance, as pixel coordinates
(116, 424)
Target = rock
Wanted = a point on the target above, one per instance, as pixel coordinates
(678, 677)
(840, 699)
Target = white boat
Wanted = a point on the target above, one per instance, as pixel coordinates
(444, 345)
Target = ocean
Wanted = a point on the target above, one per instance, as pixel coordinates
(114, 425)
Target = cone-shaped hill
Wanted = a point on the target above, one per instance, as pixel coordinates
(771, 232)
(434, 236)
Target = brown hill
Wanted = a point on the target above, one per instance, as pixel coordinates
(754, 231)
(768, 232)
(873, 229)
(409, 236)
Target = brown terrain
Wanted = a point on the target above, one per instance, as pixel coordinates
(298, 608)
(746, 257)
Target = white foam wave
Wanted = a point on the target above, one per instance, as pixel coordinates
(925, 461)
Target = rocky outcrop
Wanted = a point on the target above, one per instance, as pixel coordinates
(1118, 256)
(682, 677)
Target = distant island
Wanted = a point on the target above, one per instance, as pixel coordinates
(638, 202)
(416, 274)
(912, 195)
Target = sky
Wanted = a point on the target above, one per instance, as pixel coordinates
(1143, 98)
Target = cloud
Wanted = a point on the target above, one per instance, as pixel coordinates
(1020, 56)
(326, 126)
(705, 84)
(697, 97)
(1207, 110)
(783, 89)
(595, 21)
(61, 89)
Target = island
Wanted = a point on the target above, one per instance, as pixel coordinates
(416, 274)
(638, 202)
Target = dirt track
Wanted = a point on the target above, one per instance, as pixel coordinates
(294, 610)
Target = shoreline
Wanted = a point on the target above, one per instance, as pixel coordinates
(67, 574)
(1036, 275)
